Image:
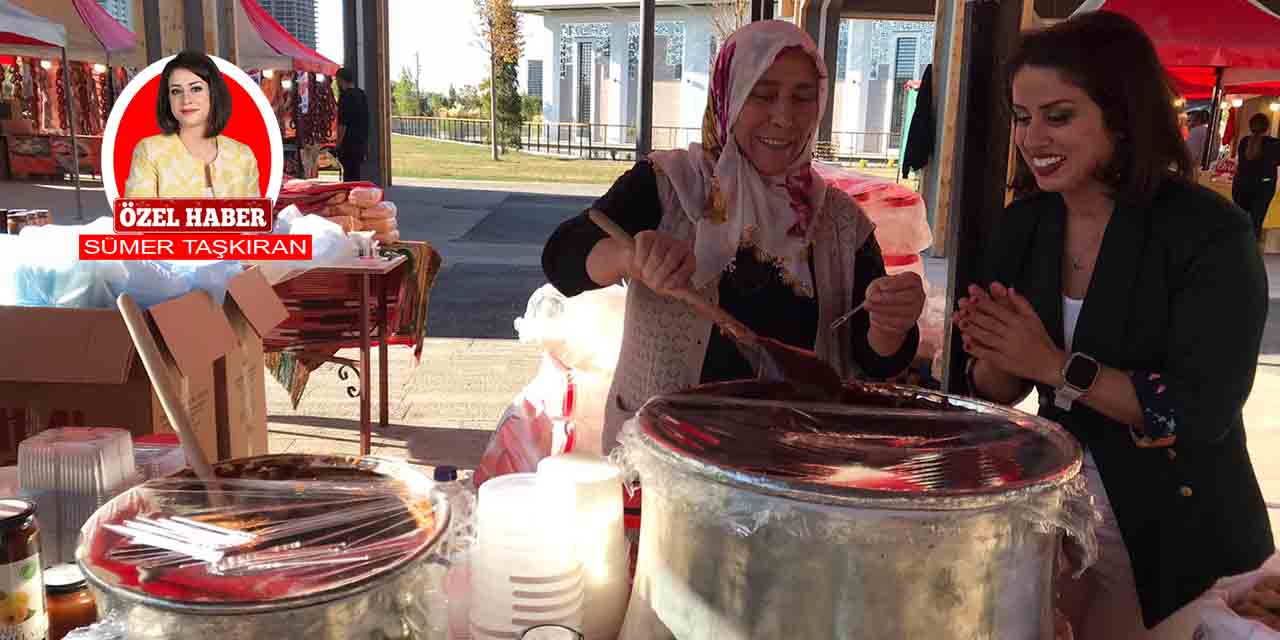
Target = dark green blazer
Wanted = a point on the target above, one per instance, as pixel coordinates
(1178, 289)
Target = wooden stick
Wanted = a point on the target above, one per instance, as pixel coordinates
(716, 313)
(162, 381)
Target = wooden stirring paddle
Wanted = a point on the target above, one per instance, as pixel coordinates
(162, 380)
(771, 359)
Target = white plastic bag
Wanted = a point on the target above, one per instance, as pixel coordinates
(1219, 621)
(562, 409)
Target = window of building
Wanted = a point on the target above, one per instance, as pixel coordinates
(534, 81)
(668, 47)
(842, 51)
(904, 70)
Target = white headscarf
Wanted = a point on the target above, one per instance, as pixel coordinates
(728, 201)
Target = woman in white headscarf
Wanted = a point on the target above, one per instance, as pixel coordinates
(743, 220)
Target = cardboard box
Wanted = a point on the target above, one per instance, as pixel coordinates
(78, 367)
(253, 310)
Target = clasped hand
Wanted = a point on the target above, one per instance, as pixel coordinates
(1001, 327)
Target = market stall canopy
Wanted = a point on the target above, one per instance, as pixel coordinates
(91, 34)
(1195, 38)
(263, 44)
(20, 28)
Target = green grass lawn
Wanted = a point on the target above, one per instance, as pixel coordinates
(432, 159)
(420, 158)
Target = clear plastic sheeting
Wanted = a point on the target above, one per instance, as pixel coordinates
(913, 514)
(41, 267)
(329, 244)
(284, 546)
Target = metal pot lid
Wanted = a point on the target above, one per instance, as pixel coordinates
(271, 532)
(888, 442)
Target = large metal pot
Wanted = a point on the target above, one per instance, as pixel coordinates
(914, 515)
(385, 603)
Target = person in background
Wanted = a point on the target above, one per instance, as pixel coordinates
(1257, 164)
(1133, 300)
(353, 126)
(191, 158)
(743, 220)
(1198, 123)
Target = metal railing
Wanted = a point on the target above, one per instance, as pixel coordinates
(617, 141)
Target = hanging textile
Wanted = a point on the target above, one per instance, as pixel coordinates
(60, 95)
(47, 94)
(303, 83)
(319, 122)
(104, 97)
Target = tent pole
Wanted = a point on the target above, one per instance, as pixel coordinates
(75, 146)
(1215, 117)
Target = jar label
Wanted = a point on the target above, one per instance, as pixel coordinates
(22, 608)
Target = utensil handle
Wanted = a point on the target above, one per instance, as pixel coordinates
(162, 382)
(714, 312)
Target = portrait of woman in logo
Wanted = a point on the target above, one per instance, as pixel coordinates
(191, 158)
(192, 126)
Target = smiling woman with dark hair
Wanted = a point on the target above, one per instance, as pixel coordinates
(1133, 301)
(191, 158)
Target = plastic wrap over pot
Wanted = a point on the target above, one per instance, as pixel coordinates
(913, 515)
(284, 546)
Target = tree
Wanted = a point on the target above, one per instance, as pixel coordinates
(531, 108)
(405, 95)
(728, 16)
(500, 38)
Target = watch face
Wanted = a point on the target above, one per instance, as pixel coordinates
(1081, 372)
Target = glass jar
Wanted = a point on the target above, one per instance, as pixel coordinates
(70, 603)
(22, 606)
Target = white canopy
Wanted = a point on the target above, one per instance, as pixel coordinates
(21, 30)
(81, 40)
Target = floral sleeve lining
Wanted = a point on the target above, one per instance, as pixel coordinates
(1159, 415)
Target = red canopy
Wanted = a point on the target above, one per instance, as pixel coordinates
(1196, 83)
(1195, 33)
(1194, 38)
(113, 35)
(274, 38)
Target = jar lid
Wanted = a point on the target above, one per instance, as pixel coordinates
(15, 513)
(63, 578)
(889, 442)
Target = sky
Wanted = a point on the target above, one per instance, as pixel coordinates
(441, 32)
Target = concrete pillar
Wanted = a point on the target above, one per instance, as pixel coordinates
(821, 19)
(979, 189)
(697, 73)
(164, 26)
(551, 74)
(228, 45)
(619, 86)
(366, 37)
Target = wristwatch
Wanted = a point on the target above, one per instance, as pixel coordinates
(1078, 378)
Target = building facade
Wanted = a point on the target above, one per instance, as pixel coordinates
(586, 70)
(298, 17)
(121, 10)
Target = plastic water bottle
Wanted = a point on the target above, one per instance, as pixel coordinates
(453, 603)
(457, 488)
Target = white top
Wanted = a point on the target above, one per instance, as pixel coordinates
(1070, 316)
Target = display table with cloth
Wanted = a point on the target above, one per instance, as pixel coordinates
(50, 155)
(353, 306)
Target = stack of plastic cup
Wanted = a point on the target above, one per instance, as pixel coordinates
(69, 473)
(524, 572)
(592, 489)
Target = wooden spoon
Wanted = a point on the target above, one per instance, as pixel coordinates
(162, 380)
